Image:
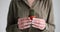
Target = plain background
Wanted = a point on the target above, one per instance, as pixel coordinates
(4, 6)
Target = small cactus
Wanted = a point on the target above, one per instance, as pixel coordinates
(31, 14)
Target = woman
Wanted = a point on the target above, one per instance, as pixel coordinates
(19, 20)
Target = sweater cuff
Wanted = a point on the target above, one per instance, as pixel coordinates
(46, 28)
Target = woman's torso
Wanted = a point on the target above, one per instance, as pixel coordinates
(40, 7)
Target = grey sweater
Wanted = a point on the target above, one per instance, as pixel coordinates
(19, 8)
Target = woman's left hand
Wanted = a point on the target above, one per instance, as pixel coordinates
(39, 23)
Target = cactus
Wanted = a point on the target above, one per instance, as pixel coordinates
(31, 14)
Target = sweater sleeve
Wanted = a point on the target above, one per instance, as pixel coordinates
(11, 20)
(50, 27)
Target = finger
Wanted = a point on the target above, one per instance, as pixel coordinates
(39, 25)
(42, 27)
(38, 20)
(25, 27)
(35, 23)
(24, 20)
(27, 23)
(34, 26)
(35, 20)
(24, 24)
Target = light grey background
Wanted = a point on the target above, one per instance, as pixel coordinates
(4, 6)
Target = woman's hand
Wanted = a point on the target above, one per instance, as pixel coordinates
(24, 23)
(38, 23)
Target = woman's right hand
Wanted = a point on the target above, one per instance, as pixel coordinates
(24, 23)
